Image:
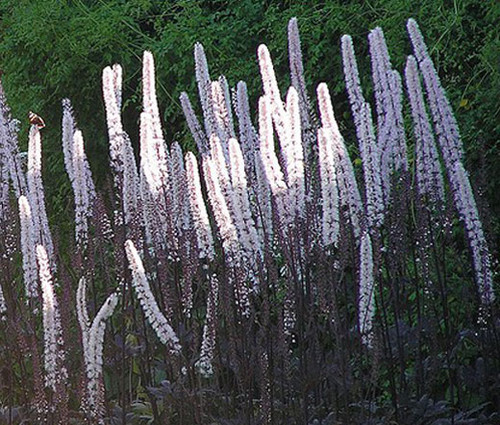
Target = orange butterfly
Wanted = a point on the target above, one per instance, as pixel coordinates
(36, 120)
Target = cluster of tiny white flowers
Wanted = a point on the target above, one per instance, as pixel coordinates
(388, 95)
(346, 179)
(28, 243)
(222, 111)
(299, 83)
(269, 160)
(120, 148)
(36, 193)
(205, 363)
(193, 123)
(295, 166)
(366, 302)
(93, 344)
(83, 188)
(156, 185)
(79, 173)
(329, 188)
(369, 150)
(448, 136)
(428, 168)
(68, 130)
(155, 317)
(288, 124)
(9, 148)
(248, 236)
(199, 209)
(52, 331)
(204, 89)
(3, 305)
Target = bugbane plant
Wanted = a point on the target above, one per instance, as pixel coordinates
(283, 273)
(36, 193)
(3, 306)
(28, 243)
(79, 173)
(11, 161)
(93, 344)
(55, 369)
(155, 317)
(448, 137)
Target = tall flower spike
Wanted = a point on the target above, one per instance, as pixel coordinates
(152, 311)
(52, 331)
(223, 119)
(391, 137)
(247, 134)
(283, 126)
(366, 302)
(296, 65)
(117, 83)
(223, 219)
(183, 224)
(36, 193)
(194, 125)
(299, 83)
(442, 114)
(272, 93)
(428, 168)
(9, 149)
(226, 224)
(467, 209)
(400, 154)
(110, 81)
(448, 136)
(222, 167)
(83, 188)
(82, 313)
(270, 161)
(263, 200)
(155, 172)
(351, 74)
(28, 243)
(120, 148)
(228, 122)
(150, 104)
(364, 131)
(245, 223)
(205, 363)
(348, 187)
(329, 190)
(157, 187)
(131, 187)
(204, 89)
(371, 170)
(295, 164)
(223, 127)
(3, 305)
(182, 215)
(199, 209)
(249, 142)
(94, 361)
(68, 130)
